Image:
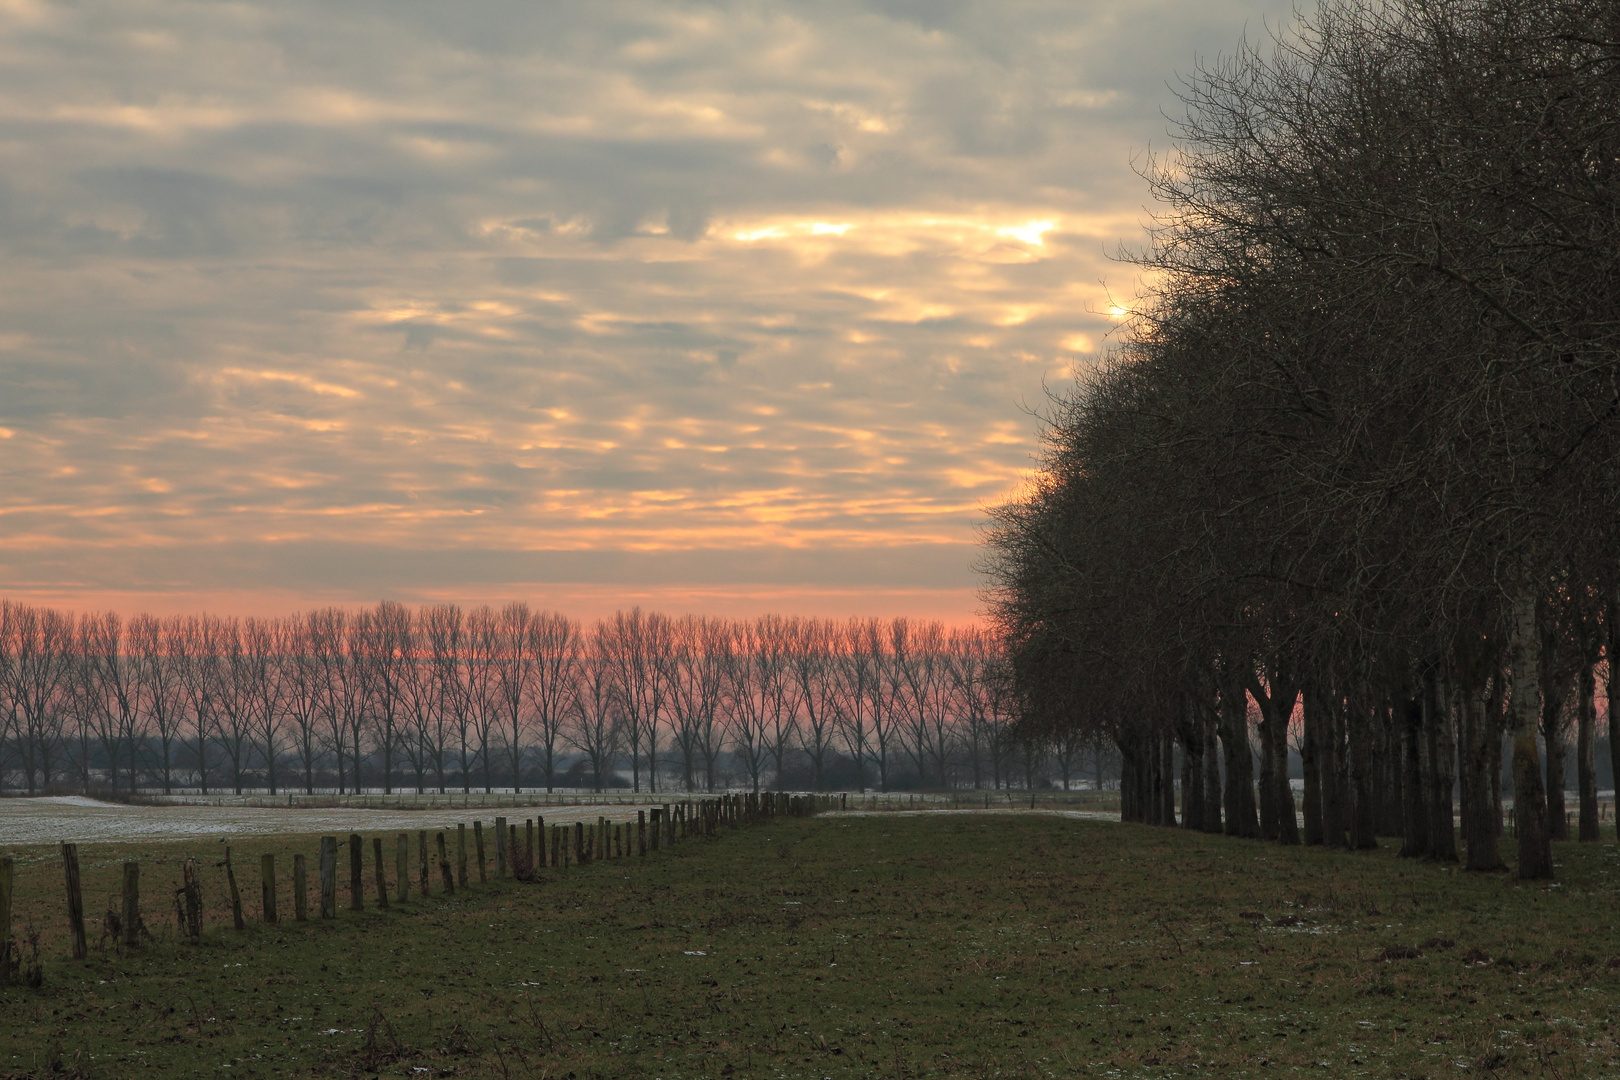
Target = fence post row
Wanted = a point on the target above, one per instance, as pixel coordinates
(554, 848)
(300, 890)
(132, 906)
(328, 877)
(381, 874)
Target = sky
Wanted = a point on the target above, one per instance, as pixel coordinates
(729, 307)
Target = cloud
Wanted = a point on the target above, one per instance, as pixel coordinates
(303, 297)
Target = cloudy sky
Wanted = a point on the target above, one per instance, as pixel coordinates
(727, 307)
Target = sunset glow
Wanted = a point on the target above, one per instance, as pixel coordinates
(619, 304)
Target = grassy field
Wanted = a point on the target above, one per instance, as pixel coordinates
(938, 945)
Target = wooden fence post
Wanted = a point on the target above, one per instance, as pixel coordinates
(267, 888)
(328, 877)
(500, 847)
(461, 854)
(132, 906)
(540, 838)
(422, 878)
(379, 873)
(444, 867)
(193, 893)
(528, 841)
(300, 890)
(478, 842)
(402, 866)
(236, 896)
(7, 880)
(579, 843)
(557, 858)
(357, 874)
(641, 832)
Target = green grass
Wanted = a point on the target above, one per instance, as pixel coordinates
(949, 945)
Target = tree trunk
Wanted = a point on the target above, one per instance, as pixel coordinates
(1321, 711)
(1414, 809)
(1192, 773)
(1529, 801)
(1212, 775)
(1167, 778)
(1611, 651)
(1442, 746)
(1552, 736)
(1359, 731)
(1585, 752)
(1311, 762)
(1283, 790)
(1268, 773)
(1481, 754)
(1242, 818)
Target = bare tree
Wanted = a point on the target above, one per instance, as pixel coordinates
(748, 694)
(112, 687)
(263, 648)
(811, 663)
(780, 690)
(447, 647)
(598, 717)
(638, 646)
(158, 648)
(555, 646)
(329, 655)
(194, 645)
(515, 673)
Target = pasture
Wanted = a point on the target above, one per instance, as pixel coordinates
(896, 945)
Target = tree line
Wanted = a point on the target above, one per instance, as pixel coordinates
(438, 698)
(1353, 459)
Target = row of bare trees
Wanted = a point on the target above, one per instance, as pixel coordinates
(1354, 459)
(444, 699)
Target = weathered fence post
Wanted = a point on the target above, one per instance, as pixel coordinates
(540, 839)
(402, 866)
(328, 877)
(444, 867)
(132, 907)
(7, 880)
(236, 897)
(267, 888)
(461, 854)
(478, 842)
(557, 857)
(657, 830)
(422, 878)
(193, 893)
(379, 873)
(300, 890)
(357, 875)
(641, 832)
(528, 841)
(579, 843)
(500, 847)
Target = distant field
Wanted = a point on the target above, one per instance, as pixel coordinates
(940, 945)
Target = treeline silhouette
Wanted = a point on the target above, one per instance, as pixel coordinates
(435, 698)
(1355, 457)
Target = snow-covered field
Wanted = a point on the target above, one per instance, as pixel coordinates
(87, 821)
